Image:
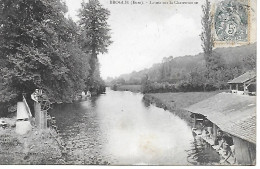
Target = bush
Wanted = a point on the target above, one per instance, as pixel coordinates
(155, 87)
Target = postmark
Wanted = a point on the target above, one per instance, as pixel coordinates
(231, 22)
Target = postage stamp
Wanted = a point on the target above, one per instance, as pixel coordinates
(231, 22)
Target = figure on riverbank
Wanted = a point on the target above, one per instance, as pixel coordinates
(88, 93)
(218, 140)
(208, 126)
(228, 148)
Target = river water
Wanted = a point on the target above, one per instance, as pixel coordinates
(118, 128)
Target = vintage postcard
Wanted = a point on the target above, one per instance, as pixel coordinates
(128, 82)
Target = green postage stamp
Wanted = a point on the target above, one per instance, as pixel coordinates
(231, 20)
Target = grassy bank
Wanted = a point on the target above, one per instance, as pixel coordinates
(132, 88)
(175, 102)
(36, 147)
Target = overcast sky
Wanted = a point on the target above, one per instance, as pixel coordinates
(143, 34)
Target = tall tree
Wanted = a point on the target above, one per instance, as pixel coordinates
(206, 35)
(94, 31)
(214, 64)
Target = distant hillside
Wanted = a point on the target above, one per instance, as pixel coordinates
(175, 69)
(236, 54)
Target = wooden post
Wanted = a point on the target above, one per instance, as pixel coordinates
(37, 111)
(215, 130)
(44, 119)
(194, 120)
(40, 116)
(246, 89)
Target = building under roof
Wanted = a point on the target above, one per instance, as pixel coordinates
(235, 114)
(244, 84)
(244, 77)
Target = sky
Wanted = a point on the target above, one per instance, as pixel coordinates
(143, 35)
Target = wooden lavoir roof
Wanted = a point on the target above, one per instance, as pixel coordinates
(232, 113)
(244, 77)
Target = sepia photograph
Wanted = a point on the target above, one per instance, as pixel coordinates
(128, 82)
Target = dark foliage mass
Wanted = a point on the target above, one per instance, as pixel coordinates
(41, 48)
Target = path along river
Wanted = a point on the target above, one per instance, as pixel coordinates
(120, 129)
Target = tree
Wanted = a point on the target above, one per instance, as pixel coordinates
(146, 84)
(197, 79)
(98, 82)
(23, 45)
(94, 31)
(250, 62)
(206, 35)
(39, 49)
(215, 65)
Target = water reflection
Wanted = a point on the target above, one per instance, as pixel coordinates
(121, 129)
(201, 153)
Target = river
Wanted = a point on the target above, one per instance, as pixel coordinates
(118, 128)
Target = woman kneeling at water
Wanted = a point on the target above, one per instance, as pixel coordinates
(228, 148)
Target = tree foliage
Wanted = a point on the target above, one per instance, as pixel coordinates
(41, 48)
(189, 73)
(94, 31)
(206, 35)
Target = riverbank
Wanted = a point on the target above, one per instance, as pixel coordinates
(132, 88)
(36, 147)
(175, 102)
